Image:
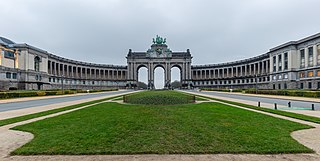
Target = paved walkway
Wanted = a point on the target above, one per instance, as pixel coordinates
(56, 104)
(254, 102)
(10, 140)
(276, 96)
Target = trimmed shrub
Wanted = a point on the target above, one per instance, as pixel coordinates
(221, 90)
(159, 98)
(41, 93)
(18, 94)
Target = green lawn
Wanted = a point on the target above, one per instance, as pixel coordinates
(278, 112)
(160, 97)
(44, 113)
(112, 128)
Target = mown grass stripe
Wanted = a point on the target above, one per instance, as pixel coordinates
(206, 128)
(278, 112)
(44, 113)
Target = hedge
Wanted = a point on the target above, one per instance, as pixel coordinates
(19, 94)
(221, 90)
(299, 93)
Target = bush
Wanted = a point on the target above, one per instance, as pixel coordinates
(221, 90)
(298, 93)
(41, 93)
(18, 94)
(159, 98)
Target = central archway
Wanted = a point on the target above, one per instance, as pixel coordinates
(159, 77)
(159, 55)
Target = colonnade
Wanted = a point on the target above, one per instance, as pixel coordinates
(82, 72)
(243, 70)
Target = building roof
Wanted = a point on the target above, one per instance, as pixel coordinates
(5, 41)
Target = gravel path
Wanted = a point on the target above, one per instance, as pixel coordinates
(10, 140)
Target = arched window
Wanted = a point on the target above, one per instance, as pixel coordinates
(37, 64)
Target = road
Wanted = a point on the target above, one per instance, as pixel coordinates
(280, 102)
(49, 101)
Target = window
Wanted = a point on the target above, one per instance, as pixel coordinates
(309, 85)
(49, 79)
(318, 85)
(285, 76)
(280, 77)
(302, 75)
(302, 60)
(279, 63)
(285, 55)
(318, 54)
(310, 74)
(14, 75)
(37, 64)
(274, 77)
(274, 64)
(8, 54)
(273, 86)
(301, 85)
(8, 75)
(310, 56)
(318, 73)
(285, 86)
(279, 86)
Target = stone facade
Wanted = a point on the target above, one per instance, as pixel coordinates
(159, 56)
(293, 65)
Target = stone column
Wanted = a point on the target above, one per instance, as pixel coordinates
(237, 71)
(306, 57)
(0, 56)
(232, 73)
(16, 60)
(315, 56)
(223, 73)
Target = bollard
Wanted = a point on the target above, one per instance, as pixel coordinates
(258, 104)
(289, 104)
(275, 106)
(124, 98)
(312, 107)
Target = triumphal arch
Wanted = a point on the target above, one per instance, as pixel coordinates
(159, 55)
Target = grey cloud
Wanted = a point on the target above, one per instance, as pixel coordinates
(102, 31)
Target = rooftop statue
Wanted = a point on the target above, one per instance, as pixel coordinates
(159, 40)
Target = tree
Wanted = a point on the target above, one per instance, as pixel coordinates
(142, 85)
(176, 84)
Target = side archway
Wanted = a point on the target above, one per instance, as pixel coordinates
(176, 74)
(142, 77)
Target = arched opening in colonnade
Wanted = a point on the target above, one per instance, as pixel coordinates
(159, 77)
(175, 77)
(142, 74)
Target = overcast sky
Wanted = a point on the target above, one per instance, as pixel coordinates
(102, 31)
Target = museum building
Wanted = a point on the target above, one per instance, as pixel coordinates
(292, 65)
